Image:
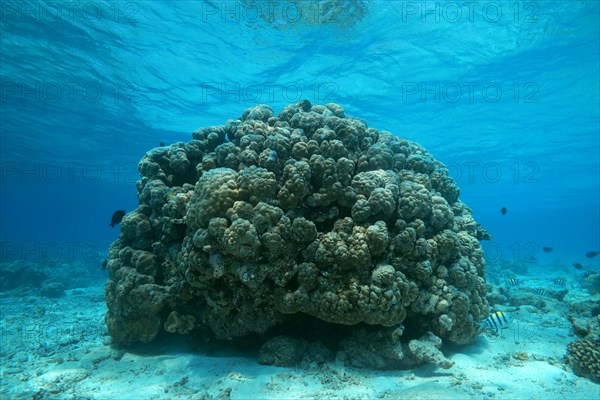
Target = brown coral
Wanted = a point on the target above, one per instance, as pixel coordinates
(583, 355)
(309, 211)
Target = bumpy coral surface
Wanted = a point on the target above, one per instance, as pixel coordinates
(308, 213)
(583, 355)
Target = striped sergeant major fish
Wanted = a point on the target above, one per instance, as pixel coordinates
(559, 281)
(497, 320)
(541, 292)
(513, 282)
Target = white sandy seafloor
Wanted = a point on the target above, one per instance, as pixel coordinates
(59, 348)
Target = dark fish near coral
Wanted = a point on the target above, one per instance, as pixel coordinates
(503, 210)
(117, 217)
(559, 281)
(513, 282)
(162, 144)
(497, 320)
(591, 254)
(578, 266)
(104, 264)
(547, 249)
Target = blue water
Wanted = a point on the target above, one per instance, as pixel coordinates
(505, 94)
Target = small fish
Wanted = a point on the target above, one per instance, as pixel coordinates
(547, 249)
(578, 266)
(559, 281)
(513, 282)
(503, 210)
(591, 254)
(541, 292)
(588, 277)
(117, 217)
(497, 320)
(162, 144)
(104, 264)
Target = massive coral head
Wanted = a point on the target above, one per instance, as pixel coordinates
(305, 214)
